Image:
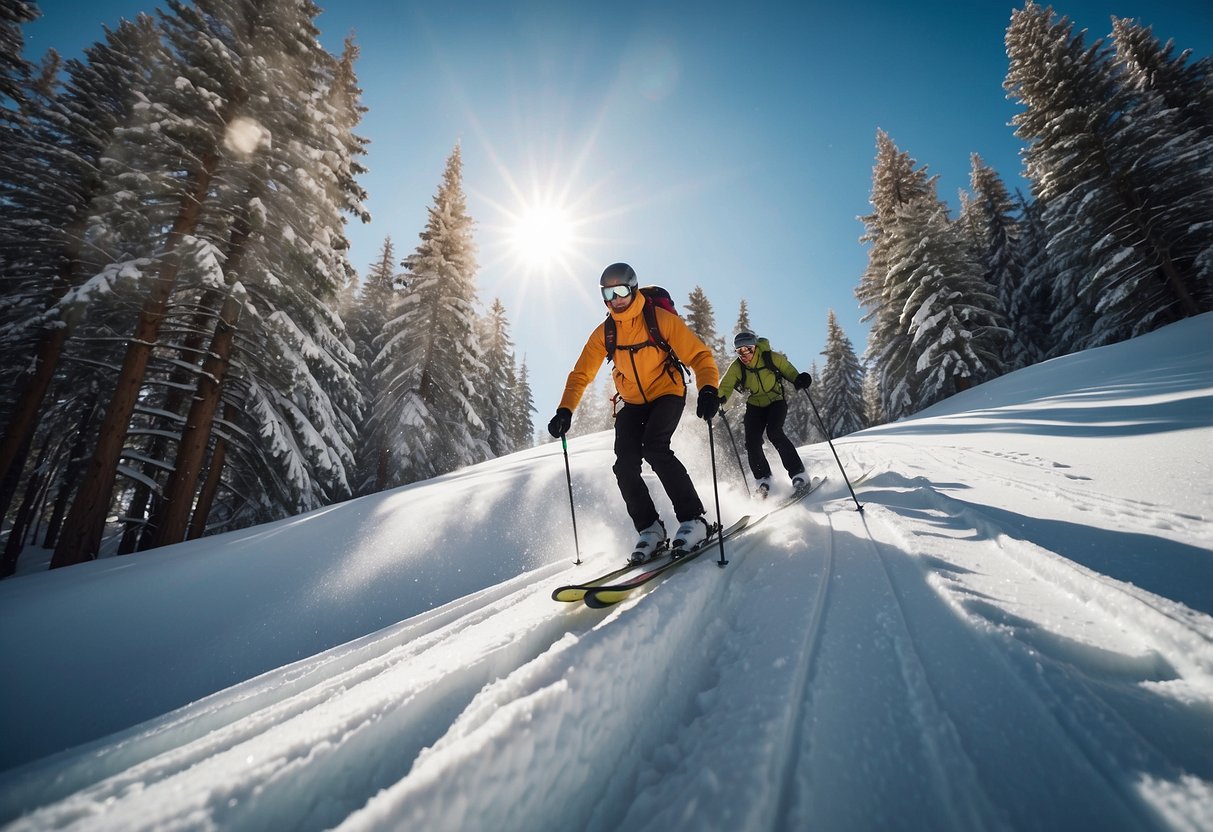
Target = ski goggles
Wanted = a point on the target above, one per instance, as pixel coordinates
(745, 350)
(609, 293)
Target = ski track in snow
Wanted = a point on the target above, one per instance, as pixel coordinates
(899, 628)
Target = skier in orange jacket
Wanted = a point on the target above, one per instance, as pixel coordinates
(652, 388)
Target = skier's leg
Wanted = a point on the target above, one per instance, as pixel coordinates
(777, 413)
(663, 419)
(755, 423)
(629, 443)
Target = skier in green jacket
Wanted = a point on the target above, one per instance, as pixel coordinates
(759, 371)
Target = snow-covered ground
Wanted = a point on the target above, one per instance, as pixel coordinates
(1016, 633)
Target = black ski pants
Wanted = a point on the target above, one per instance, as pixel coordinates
(769, 418)
(642, 434)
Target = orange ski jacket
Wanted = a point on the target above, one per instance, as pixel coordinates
(642, 375)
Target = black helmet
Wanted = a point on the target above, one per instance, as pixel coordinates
(619, 274)
(745, 338)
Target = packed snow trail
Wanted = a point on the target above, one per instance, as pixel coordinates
(984, 647)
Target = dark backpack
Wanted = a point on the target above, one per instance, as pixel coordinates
(655, 296)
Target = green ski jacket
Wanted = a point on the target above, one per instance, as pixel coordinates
(762, 381)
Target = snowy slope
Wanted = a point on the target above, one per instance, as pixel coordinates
(1016, 633)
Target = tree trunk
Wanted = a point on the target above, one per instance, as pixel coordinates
(16, 535)
(71, 472)
(136, 511)
(31, 390)
(191, 450)
(85, 524)
(237, 247)
(173, 402)
(210, 488)
(385, 456)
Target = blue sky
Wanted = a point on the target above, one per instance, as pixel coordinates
(704, 143)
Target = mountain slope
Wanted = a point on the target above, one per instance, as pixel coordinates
(1016, 632)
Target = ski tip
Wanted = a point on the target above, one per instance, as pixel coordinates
(567, 594)
(599, 602)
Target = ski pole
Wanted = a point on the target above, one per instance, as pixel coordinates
(568, 475)
(716, 491)
(733, 439)
(826, 434)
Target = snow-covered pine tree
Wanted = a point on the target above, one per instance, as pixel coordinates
(1032, 304)
(275, 214)
(897, 181)
(1126, 209)
(49, 180)
(1184, 83)
(701, 318)
(949, 317)
(377, 304)
(14, 68)
(298, 384)
(839, 389)
(988, 219)
(873, 409)
(430, 360)
(499, 382)
(522, 431)
(743, 320)
(1173, 98)
(155, 184)
(801, 426)
(187, 189)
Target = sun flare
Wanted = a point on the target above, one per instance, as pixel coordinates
(542, 236)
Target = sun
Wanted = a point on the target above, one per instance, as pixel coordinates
(543, 235)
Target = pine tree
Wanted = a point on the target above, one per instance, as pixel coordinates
(50, 177)
(897, 182)
(377, 304)
(873, 408)
(298, 385)
(1032, 303)
(840, 386)
(499, 382)
(1126, 210)
(988, 218)
(199, 194)
(743, 317)
(701, 318)
(800, 426)
(1184, 85)
(949, 318)
(15, 71)
(430, 360)
(524, 408)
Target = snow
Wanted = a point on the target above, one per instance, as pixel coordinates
(105, 281)
(1015, 633)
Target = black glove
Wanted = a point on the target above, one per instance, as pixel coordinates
(559, 425)
(708, 404)
(803, 381)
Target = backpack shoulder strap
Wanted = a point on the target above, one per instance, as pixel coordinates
(610, 333)
(650, 320)
(611, 336)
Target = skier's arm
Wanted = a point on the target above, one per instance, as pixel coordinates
(785, 368)
(731, 377)
(593, 354)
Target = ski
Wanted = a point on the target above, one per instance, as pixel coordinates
(800, 493)
(575, 592)
(602, 589)
(606, 595)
